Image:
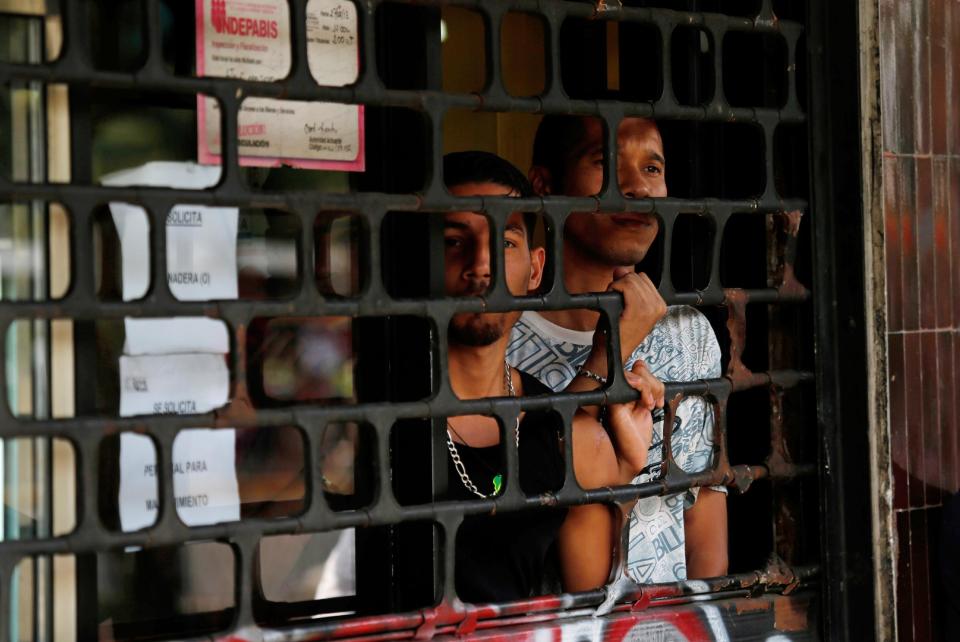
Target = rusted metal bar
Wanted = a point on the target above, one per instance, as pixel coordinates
(462, 619)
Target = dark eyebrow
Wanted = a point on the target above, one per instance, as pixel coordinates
(658, 157)
(457, 225)
(516, 227)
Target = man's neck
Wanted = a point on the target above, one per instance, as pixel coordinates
(477, 371)
(581, 274)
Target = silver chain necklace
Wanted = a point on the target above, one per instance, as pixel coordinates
(455, 454)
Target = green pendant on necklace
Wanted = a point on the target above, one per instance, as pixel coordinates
(497, 483)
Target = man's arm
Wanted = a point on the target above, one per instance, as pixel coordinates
(705, 527)
(588, 537)
(642, 308)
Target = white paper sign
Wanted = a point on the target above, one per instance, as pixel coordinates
(204, 478)
(201, 241)
(133, 228)
(172, 384)
(175, 335)
(202, 252)
(165, 174)
(333, 42)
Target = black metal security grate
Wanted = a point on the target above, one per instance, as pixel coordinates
(733, 118)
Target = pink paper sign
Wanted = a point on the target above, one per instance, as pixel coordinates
(251, 39)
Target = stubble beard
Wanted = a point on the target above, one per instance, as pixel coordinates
(597, 250)
(475, 330)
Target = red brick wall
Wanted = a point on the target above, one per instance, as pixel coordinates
(920, 106)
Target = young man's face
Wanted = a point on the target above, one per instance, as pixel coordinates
(615, 239)
(467, 265)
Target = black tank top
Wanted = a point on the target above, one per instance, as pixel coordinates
(511, 556)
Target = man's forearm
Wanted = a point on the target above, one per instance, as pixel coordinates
(705, 527)
(597, 364)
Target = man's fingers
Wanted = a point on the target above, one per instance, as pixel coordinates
(646, 279)
(636, 295)
(646, 397)
(640, 383)
(620, 272)
(651, 389)
(655, 386)
(633, 429)
(629, 283)
(643, 307)
(638, 290)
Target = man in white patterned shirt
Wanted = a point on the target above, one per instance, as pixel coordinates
(676, 537)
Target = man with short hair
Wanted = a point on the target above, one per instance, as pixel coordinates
(674, 537)
(506, 556)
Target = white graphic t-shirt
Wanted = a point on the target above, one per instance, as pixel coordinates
(681, 347)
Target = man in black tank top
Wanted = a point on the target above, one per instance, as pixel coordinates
(509, 556)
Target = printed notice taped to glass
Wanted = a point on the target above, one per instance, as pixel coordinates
(202, 252)
(332, 42)
(205, 484)
(180, 384)
(175, 335)
(201, 240)
(250, 39)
